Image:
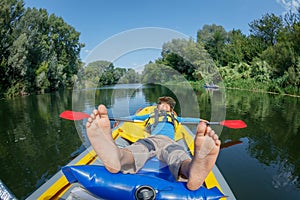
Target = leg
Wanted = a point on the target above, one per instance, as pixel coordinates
(207, 146)
(142, 150)
(99, 134)
(173, 154)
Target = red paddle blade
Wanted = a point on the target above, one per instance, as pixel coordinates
(233, 123)
(72, 115)
(230, 143)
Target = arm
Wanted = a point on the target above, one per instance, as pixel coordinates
(190, 120)
(139, 117)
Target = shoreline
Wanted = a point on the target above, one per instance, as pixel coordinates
(245, 89)
(263, 91)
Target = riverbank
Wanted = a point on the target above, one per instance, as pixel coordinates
(244, 85)
(255, 86)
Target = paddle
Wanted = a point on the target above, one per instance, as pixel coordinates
(72, 115)
(230, 143)
(235, 124)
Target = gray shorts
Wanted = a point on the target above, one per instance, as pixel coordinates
(164, 148)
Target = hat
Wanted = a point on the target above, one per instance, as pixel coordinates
(168, 100)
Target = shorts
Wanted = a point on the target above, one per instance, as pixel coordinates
(164, 148)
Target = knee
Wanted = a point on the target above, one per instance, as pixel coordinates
(147, 143)
(172, 150)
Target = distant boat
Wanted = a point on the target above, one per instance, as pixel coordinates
(211, 86)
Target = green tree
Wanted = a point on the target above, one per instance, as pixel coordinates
(64, 41)
(10, 13)
(35, 46)
(130, 76)
(233, 51)
(93, 71)
(267, 28)
(33, 24)
(158, 73)
(185, 56)
(118, 74)
(17, 64)
(280, 56)
(214, 38)
(42, 81)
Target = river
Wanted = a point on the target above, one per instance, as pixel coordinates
(261, 161)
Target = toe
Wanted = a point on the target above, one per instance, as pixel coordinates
(201, 128)
(102, 111)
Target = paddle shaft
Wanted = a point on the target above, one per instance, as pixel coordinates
(140, 121)
(193, 123)
(234, 124)
(125, 120)
(72, 115)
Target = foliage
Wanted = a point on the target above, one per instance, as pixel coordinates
(187, 57)
(269, 55)
(158, 73)
(38, 52)
(173, 55)
(129, 76)
(99, 73)
(267, 28)
(214, 38)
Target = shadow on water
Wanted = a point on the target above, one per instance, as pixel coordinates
(259, 162)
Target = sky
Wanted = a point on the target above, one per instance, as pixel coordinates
(99, 20)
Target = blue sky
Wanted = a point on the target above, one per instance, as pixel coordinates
(98, 20)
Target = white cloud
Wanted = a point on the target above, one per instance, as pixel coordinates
(86, 51)
(289, 5)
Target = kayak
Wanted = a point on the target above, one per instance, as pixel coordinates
(85, 177)
(211, 86)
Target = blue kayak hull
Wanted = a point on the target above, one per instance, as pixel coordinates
(159, 183)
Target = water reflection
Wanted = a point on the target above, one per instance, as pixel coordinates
(273, 136)
(34, 140)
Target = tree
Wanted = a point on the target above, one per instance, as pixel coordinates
(93, 71)
(129, 76)
(233, 51)
(280, 56)
(214, 38)
(184, 56)
(64, 41)
(10, 13)
(158, 73)
(267, 28)
(35, 46)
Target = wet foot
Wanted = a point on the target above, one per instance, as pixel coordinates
(99, 134)
(207, 146)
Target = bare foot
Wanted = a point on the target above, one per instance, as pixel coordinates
(99, 133)
(207, 146)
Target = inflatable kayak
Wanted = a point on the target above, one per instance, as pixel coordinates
(86, 178)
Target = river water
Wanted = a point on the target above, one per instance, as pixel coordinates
(261, 161)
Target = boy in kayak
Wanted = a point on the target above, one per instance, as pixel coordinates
(160, 143)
